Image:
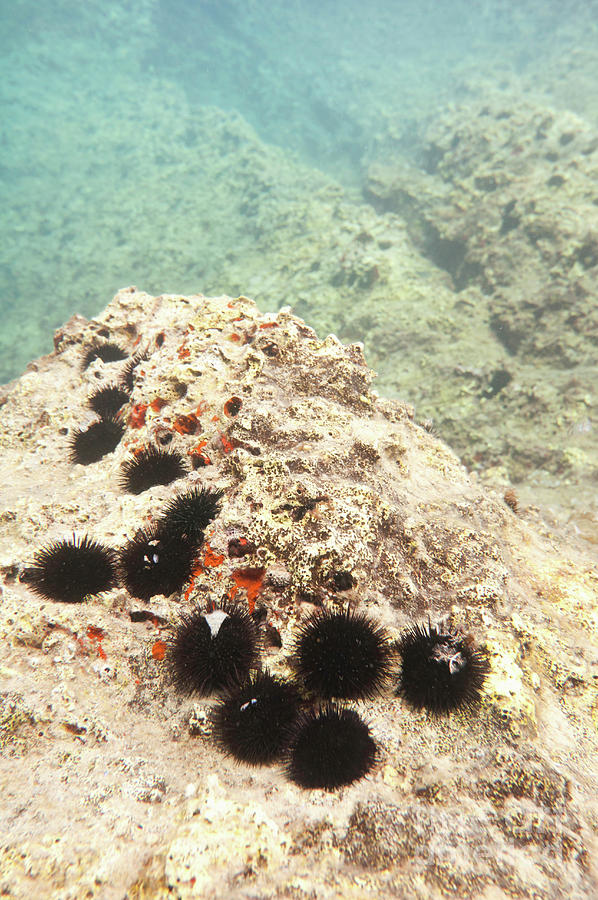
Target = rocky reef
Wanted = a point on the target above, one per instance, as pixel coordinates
(332, 496)
(503, 199)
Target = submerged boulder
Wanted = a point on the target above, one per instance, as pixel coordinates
(330, 497)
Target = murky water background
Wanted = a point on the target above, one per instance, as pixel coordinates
(306, 153)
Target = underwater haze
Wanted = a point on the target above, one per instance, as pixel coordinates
(421, 176)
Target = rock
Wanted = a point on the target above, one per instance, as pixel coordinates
(504, 200)
(341, 498)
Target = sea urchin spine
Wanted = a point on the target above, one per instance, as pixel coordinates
(190, 513)
(155, 562)
(107, 352)
(90, 445)
(107, 401)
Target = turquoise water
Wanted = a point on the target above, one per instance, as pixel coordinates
(100, 120)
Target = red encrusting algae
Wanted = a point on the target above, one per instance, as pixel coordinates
(159, 650)
(137, 417)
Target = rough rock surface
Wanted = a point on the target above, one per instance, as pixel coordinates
(505, 200)
(111, 784)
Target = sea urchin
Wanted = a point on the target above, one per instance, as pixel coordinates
(329, 747)
(107, 352)
(342, 654)
(190, 513)
(107, 401)
(251, 722)
(441, 670)
(212, 651)
(91, 444)
(149, 467)
(155, 562)
(69, 570)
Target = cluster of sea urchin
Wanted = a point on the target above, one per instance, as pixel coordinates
(258, 719)
(158, 560)
(344, 655)
(89, 445)
(337, 656)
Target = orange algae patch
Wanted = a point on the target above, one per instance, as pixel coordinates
(227, 445)
(197, 571)
(235, 337)
(159, 650)
(158, 403)
(212, 559)
(183, 352)
(137, 417)
(252, 579)
(198, 456)
(186, 424)
(268, 325)
(97, 634)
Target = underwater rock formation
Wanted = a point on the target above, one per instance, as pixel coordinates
(504, 199)
(113, 783)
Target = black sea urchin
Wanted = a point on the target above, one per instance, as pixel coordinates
(342, 654)
(329, 747)
(213, 651)
(149, 467)
(251, 722)
(155, 562)
(69, 570)
(190, 513)
(441, 670)
(107, 352)
(89, 445)
(107, 401)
